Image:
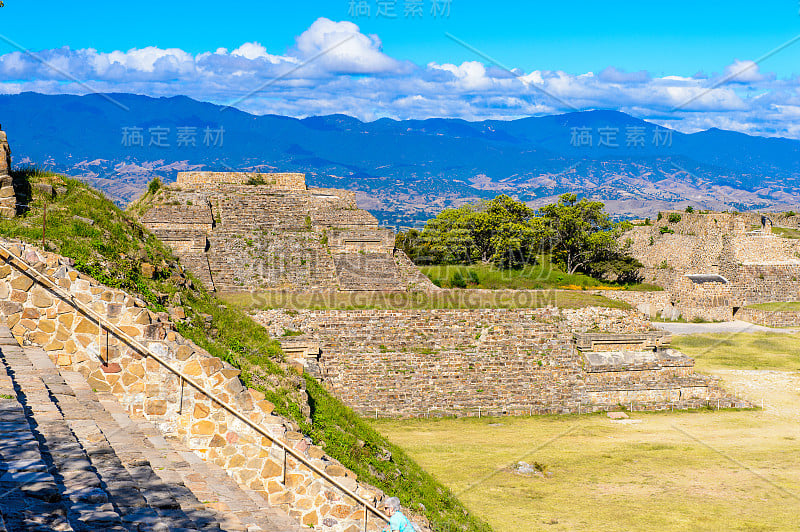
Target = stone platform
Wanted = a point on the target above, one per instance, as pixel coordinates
(237, 231)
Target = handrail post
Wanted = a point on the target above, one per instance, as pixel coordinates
(284, 467)
(180, 405)
(366, 514)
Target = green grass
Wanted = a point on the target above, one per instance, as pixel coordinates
(786, 232)
(698, 470)
(112, 250)
(445, 299)
(542, 275)
(788, 306)
(761, 350)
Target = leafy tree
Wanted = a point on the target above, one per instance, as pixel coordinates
(507, 233)
(576, 230)
(411, 243)
(449, 236)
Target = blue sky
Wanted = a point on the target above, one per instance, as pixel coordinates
(654, 56)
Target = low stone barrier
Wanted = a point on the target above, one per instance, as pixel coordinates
(769, 318)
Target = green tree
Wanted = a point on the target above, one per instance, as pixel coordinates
(577, 231)
(449, 237)
(503, 231)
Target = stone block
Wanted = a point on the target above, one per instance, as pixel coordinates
(204, 428)
(155, 407)
(22, 282)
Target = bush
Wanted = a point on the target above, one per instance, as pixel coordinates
(674, 218)
(154, 185)
(457, 280)
(689, 209)
(665, 230)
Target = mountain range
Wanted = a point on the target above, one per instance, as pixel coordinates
(408, 170)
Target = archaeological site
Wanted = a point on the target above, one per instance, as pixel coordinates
(116, 418)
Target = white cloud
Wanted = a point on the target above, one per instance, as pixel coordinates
(334, 68)
(743, 72)
(344, 48)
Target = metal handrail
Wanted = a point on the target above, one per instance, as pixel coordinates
(26, 268)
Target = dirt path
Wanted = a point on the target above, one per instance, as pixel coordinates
(778, 391)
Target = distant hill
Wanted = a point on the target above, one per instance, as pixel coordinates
(406, 171)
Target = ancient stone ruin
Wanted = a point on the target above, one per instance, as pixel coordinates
(67, 353)
(248, 231)
(8, 202)
(713, 264)
(492, 361)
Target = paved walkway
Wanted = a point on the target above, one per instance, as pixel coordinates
(72, 459)
(736, 326)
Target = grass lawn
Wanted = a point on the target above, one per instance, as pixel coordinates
(699, 470)
(454, 299)
(786, 232)
(761, 350)
(681, 471)
(777, 306)
(538, 276)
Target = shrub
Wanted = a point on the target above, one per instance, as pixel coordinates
(665, 230)
(154, 185)
(457, 280)
(674, 218)
(689, 209)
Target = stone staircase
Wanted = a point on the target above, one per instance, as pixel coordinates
(72, 459)
(367, 271)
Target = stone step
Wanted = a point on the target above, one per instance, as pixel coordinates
(105, 470)
(82, 471)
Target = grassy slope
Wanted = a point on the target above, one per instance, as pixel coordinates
(112, 250)
(788, 306)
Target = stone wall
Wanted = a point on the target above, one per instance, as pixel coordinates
(769, 318)
(40, 317)
(252, 237)
(5, 155)
(466, 362)
(758, 266)
(278, 181)
(8, 201)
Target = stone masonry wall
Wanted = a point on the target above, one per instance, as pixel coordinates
(8, 201)
(282, 181)
(769, 318)
(758, 266)
(40, 317)
(421, 362)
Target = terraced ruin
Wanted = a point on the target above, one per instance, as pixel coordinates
(239, 231)
(712, 265)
